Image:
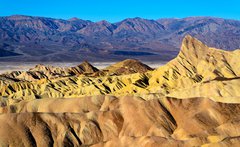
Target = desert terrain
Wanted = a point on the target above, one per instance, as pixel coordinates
(192, 100)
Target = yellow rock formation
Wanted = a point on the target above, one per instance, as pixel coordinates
(193, 100)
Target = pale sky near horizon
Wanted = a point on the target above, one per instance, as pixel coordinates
(113, 11)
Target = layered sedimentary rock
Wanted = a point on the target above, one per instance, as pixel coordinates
(191, 101)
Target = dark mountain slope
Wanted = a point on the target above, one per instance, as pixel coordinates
(48, 39)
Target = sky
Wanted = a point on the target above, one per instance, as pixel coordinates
(114, 11)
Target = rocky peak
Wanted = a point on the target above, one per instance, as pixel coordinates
(192, 48)
(139, 25)
(19, 17)
(128, 66)
(87, 67)
(133, 63)
(135, 19)
(104, 22)
(39, 67)
(128, 62)
(73, 19)
(98, 28)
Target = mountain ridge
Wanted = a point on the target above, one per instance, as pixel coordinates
(47, 39)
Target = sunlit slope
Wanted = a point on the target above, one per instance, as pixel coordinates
(91, 83)
(41, 71)
(128, 66)
(197, 71)
(193, 100)
(120, 121)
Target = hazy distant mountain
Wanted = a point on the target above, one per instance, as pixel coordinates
(137, 26)
(26, 38)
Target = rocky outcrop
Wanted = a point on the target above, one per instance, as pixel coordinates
(198, 66)
(128, 66)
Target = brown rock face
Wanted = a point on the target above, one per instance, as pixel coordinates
(120, 121)
(128, 66)
(84, 67)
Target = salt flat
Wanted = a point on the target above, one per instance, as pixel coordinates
(24, 66)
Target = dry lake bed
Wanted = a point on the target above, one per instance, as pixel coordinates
(23, 66)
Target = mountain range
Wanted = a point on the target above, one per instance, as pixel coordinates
(28, 38)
